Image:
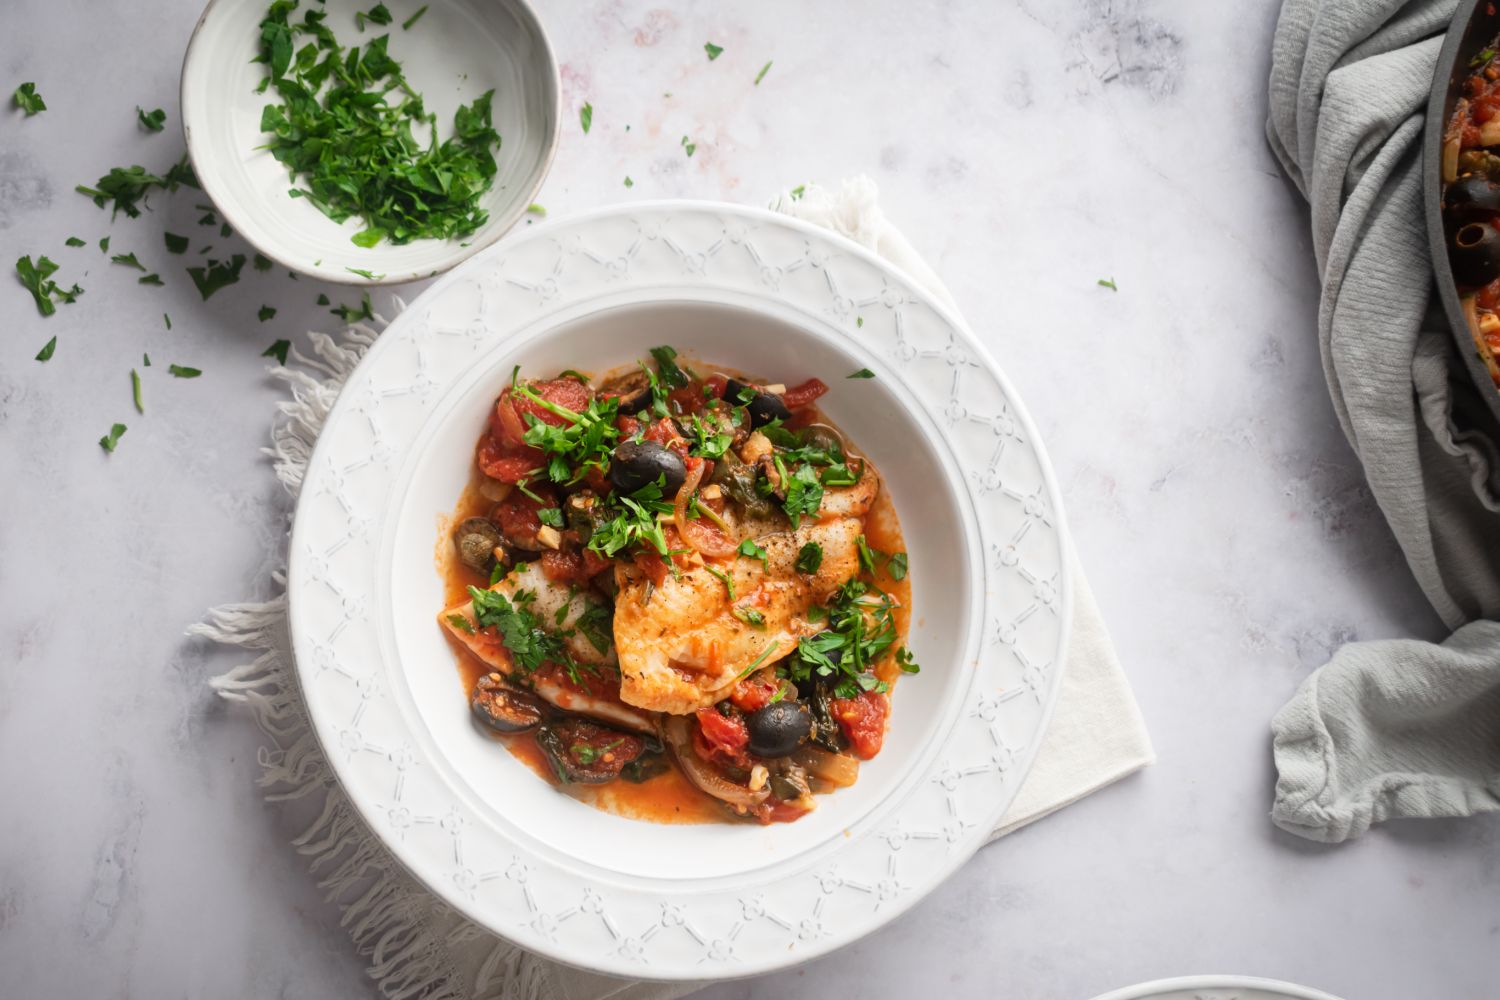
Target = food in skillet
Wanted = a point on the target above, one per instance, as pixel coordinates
(687, 587)
(1471, 203)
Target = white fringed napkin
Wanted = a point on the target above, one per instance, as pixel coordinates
(417, 946)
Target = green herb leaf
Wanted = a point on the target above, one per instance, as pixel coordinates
(536, 209)
(265, 313)
(146, 360)
(135, 390)
(150, 279)
(586, 117)
(763, 71)
(104, 245)
(262, 262)
(809, 558)
(907, 662)
(322, 299)
(750, 550)
(28, 100)
(859, 321)
(1483, 56)
(167, 320)
(552, 517)
(74, 241)
(183, 372)
(750, 616)
(108, 441)
(349, 314)
(628, 182)
(406, 24)
(520, 631)
(1108, 283)
(218, 274)
(124, 187)
(896, 567)
(364, 273)
(45, 354)
(460, 622)
(36, 279)
(175, 243)
(804, 494)
(862, 373)
(278, 351)
(129, 260)
(689, 147)
(151, 121)
(714, 51)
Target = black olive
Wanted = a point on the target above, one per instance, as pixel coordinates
(779, 728)
(1476, 253)
(633, 391)
(1471, 195)
(763, 407)
(587, 752)
(504, 708)
(476, 540)
(637, 463)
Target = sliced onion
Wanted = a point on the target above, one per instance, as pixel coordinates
(705, 539)
(679, 737)
(835, 768)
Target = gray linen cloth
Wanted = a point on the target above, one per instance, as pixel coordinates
(1400, 727)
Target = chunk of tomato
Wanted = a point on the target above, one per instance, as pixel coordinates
(573, 566)
(506, 462)
(801, 395)
(509, 421)
(721, 737)
(517, 514)
(863, 721)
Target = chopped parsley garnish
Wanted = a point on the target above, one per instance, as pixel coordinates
(150, 279)
(135, 390)
(750, 550)
(74, 241)
(167, 320)
(896, 566)
(406, 24)
(218, 274)
(759, 659)
(804, 493)
(266, 312)
(45, 354)
(809, 558)
(461, 623)
(175, 243)
(1483, 56)
(343, 128)
(859, 321)
(628, 182)
(723, 577)
(750, 616)
(278, 351)
(28, 100)
(763, 71)
(907, 662)
(37, 277)
(104, 245)
(586, 117)
(377, 14)
(860, 630)
(530, 645)
(798, 192)
(862, 373)
(364, 272)
(108, 441)
(145, 360)
(322, 299)
(263, 263)
(151, 121)
(129, 260)
(1109, 283)
(552, 517)
(672, 376)
(536, 209)
(714, 51)
(866, 555)
(127, 187)
(182, 371)
(689, 147)
(708, 440)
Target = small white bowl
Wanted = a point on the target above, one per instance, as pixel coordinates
(456, 51)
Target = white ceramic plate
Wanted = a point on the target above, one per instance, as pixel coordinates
(455, 52)
(1217, 988)
(778, 298)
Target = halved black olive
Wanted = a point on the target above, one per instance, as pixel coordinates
(476, 540)
(779, 728)
(763, 407)
(504, 708)
(632, 390)
(637, 463)
(586, 752)
(1471, 195)
(1476, 253)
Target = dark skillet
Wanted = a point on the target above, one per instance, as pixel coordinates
(1473, 27)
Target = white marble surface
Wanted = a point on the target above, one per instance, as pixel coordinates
(1029, 149)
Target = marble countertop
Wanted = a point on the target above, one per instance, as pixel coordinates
(1030, 149)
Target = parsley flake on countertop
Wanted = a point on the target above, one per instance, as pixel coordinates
(586, 117)
(28, 100)
(218, 274)
(691, 147)
(1108, 283)
(278, 351)
(175, 243)
(262, 262)
(763, 71)
(862, 373)
(135, 390)
(377, 14)
(182, 371)
(364, 272)
(151, 121)
(350, 149)
(628, 182)
(108, 441)
(266, 312)
(129, 260)
(104, 245)
(150, 279)
(45, 354)
(37, 278)
(74, 241)
(714, 51)
(168, 320)
(128, 187)
(146, 360)
(406, 24)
